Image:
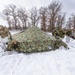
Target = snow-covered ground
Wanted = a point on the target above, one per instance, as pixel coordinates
(58, 62)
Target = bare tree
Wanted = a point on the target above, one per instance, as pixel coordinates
(73, 20)
(43, 17)
(60, 20)
(5, 16)
(13, 14)
(34, 16)
(54, 10)
(69, 23)
(22, 14)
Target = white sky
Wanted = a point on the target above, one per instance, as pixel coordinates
(68, 5)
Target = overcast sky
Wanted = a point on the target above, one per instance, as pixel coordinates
(68, 5)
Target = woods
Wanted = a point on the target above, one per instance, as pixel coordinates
(47, 18)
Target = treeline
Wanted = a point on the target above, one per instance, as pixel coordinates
(48, 18)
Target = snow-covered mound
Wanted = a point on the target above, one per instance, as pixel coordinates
(58, 62)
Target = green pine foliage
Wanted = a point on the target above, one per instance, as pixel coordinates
(32, 40)
(58, 32)
(35, 40)
(68, 32)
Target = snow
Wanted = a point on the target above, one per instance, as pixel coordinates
(58, 62)
(15, 31)
(3, 42)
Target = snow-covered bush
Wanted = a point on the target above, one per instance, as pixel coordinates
(34, 40)
(58, 32)
(4, 36)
